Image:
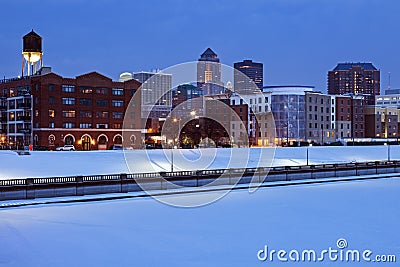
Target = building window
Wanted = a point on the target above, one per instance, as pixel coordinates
(68, 113)
(101, 103)
(51, 124)
(68, 125)
(51, 100)
(233, 102)
(132, 115)
(68, 100)
(118, 91)
(118, 103)
(259, 100)
(118, 115)
(102, 126)
(86, 90)
(85, 114)
(251, 101)
(51, 87)
(51, 113)
(266, 99)
(117, 126)
(36, 113)
(102, 91)
(85, 102)
(68, 88)
(85, 125)
(102, 114)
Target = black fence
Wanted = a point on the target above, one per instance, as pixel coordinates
(30, 188)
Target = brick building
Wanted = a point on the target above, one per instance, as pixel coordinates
(87, 111)
(350, 121)
(356, 79)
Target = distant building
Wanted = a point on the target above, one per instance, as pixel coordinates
(288, 108)
(209, 73)
(184, 93)
(49, 111)
(381, 122)
(254, 119)
(320, 118)
(253, 76)
(156, 93)
(356, 79)
(350, 121)
(44, 109)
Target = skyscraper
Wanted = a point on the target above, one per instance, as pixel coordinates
(253, 75)
(209, 73)
(356, 79)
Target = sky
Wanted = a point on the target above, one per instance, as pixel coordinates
(298, 41)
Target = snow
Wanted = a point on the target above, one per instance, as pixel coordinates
(69, 163)
(229, 232)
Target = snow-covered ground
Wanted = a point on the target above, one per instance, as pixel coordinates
(67, 163)
(229, 232)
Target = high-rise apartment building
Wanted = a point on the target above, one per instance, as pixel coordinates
(249, 75)
(356, 79)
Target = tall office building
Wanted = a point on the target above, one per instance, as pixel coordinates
(356, 79)
(209, 73)
(248, 77)
(156, 93)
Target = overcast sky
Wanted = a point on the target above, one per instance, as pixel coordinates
(297, 40)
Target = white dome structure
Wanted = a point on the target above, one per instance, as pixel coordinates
(125, 76)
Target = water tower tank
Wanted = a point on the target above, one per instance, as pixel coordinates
(32, 52)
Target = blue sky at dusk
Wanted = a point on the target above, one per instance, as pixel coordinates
(297, 40)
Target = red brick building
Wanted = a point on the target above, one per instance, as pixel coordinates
(87, 111)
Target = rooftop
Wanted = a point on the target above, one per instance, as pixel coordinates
(349, 65)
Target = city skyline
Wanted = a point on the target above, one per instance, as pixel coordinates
(123, 39)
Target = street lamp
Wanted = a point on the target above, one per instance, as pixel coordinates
(388, 150)
(308, 152)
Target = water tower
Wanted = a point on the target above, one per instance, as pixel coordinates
(31, 53)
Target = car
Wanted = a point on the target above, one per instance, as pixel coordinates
(66, 148)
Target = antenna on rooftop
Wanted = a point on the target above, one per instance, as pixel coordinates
(389, 81)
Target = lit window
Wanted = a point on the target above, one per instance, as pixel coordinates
(51, 113)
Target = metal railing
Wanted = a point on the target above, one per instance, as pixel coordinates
(116, 183)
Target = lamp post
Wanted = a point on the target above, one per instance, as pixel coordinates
(308, 152)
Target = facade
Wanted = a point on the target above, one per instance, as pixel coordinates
(350, 121)
(184, 94)
(47, 110)
(253, 76)
(288, 108)
(156, 93)
(209, 73)
(320, 118)
(356, 79)
(254, 119)
(381, 122)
